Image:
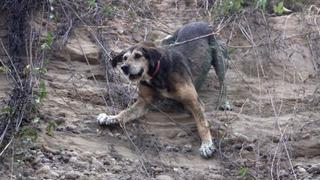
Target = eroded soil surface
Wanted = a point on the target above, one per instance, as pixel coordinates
(273, 129)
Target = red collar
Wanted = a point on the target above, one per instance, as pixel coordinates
(157, 69)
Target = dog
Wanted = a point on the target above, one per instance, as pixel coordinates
(175, 70)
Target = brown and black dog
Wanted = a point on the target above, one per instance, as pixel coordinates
(174, 71)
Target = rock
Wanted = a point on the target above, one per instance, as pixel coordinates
(157, 169)
(116, 168)
(65, 158)
(44, 170)
(82, 164)
(97, 164)
(50, 150)
(301, 170)
(73, 129)
(217, 176)
(72, 175)
(314, 169)
(171, 148)
(80, 49)
(73, 159)
(283, 174)
(164, 177)
(54, 174)
(187, 148)
(182, 134)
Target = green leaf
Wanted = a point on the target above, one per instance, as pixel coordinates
(243, 171)
(28, 132)
(261, 4)
(279, 9)
(4, 69)
(36, 120)
(42, 92)
(5, 110)
(47, 42)
(50, 127)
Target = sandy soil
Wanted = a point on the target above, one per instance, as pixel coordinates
(273, 130)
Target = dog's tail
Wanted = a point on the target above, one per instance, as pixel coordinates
(220, 56)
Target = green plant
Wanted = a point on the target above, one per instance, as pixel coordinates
(4, 69)
(50, 127)
(28, 133)
(279, 8)
(107, 10)
(232, 6)
(261, 4)
(47, 42)
(91, 3)
(243, 171)
(131, 14)
(5, 110)
(42, 92)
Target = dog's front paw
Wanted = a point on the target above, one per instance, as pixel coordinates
(226, 106)
(104, 119)
(207, 149)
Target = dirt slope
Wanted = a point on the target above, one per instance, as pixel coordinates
(273, 129)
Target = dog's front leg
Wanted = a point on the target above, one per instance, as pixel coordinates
(189, 97)
(138, 109)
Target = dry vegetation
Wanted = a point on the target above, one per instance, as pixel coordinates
(55, 68)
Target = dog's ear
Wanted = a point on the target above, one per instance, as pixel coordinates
(152, 54)
(116, 58)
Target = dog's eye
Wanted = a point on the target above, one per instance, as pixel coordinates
(125, 58)
(137, 56)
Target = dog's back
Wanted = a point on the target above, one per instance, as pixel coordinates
(198, 52)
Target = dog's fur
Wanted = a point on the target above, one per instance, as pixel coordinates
(174, 72)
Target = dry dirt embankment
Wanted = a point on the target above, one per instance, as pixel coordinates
(272, 131)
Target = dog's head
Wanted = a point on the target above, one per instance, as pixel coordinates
(139, 62)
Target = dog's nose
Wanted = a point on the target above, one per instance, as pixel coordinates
(125, 69)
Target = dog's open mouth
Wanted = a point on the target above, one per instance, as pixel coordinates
(135, 76)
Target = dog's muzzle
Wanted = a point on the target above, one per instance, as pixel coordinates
(125, 69)
(132, 75)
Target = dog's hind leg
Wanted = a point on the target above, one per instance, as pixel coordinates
(219, 57)
(187, 95)
(138, 109)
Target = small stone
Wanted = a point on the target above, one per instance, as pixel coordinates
(44, 169)
(301, 170)
(164, 177)
(72, 175)
(50, 150)
(54, 174)
(65, 159)
(249, 147)
(72, 153)
(116, 168)
(97, 164)
(72, 129)
(187, 148)
(217, 176)
(45, 160)
(82, 164)
(171, 148)
(314, 169)
(157, 169)
(60, 128)
(73, 159)
(283, 173)
(182, 134)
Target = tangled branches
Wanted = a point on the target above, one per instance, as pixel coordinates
(17, 107)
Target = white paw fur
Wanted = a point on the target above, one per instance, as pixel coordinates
(104, 119)
(207, 149)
